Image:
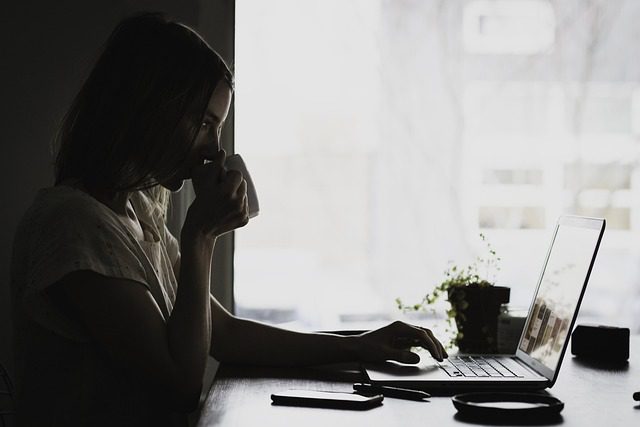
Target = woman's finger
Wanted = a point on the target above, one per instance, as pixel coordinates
(233, 180)
(430, 344)
(442, 349)
(424, 340)
(242, 189)
(406, 335)
(246, 205)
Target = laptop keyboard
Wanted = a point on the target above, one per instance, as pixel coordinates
(475, 366)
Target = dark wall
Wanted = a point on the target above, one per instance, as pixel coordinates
(47, 50)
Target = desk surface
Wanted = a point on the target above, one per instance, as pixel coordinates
(240, 396)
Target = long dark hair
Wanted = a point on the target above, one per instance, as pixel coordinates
(122, 130)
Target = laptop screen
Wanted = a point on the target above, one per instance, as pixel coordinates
(559, 292)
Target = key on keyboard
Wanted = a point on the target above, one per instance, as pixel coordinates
(468, 366)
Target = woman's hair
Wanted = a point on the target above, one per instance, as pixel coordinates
(122, 130)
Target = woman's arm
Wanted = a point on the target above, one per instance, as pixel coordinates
(241, 341)
(123, 319)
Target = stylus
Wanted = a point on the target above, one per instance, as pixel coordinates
(636, 395)
(387, 391)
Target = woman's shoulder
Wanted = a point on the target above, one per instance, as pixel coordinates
(56, 210)
(64, 203)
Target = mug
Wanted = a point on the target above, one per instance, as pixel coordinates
(236, 162)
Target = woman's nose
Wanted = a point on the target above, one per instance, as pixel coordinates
(216, 142)
(219, 139)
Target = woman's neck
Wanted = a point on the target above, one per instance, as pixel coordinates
(117, 202)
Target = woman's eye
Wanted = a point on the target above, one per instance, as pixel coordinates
(205, 125)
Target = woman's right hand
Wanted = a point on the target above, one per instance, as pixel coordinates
(221, 199)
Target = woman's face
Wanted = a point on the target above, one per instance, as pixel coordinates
(207, 141)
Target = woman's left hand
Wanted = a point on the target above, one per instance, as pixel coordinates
(393, 342)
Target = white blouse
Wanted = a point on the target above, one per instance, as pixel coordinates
(62, 377)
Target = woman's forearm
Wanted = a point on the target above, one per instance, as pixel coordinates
(189, 327)
(242, 341)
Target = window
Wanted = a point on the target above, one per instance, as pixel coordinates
(383, 137)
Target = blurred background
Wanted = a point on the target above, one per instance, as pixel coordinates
(383, 136)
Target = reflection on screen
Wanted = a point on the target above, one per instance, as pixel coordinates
(558, 294)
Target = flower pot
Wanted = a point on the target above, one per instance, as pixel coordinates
(476, 314)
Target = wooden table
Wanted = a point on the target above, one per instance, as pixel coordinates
(240, 396)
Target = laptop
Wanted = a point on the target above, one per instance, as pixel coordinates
(545, 336)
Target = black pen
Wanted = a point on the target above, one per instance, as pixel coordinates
(387, 391)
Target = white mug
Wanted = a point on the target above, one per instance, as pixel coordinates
(235, 162)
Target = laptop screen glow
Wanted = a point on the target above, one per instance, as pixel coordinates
(559, 293)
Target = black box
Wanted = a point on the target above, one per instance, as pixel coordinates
(600, 343)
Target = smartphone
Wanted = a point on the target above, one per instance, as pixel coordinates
(326, 399)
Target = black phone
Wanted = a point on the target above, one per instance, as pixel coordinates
(326, 399)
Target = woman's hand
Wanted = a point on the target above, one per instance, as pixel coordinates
(221, 199)
(393, 342)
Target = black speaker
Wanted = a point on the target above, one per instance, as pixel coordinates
(600, 343)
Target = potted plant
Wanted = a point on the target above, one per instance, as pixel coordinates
(475, 303)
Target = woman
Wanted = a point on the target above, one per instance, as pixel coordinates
(114, 320)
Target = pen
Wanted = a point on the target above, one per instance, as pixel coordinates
(399, 393)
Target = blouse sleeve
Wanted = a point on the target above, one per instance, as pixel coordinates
(74, 238)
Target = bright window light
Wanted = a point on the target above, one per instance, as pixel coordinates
(384, 136)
